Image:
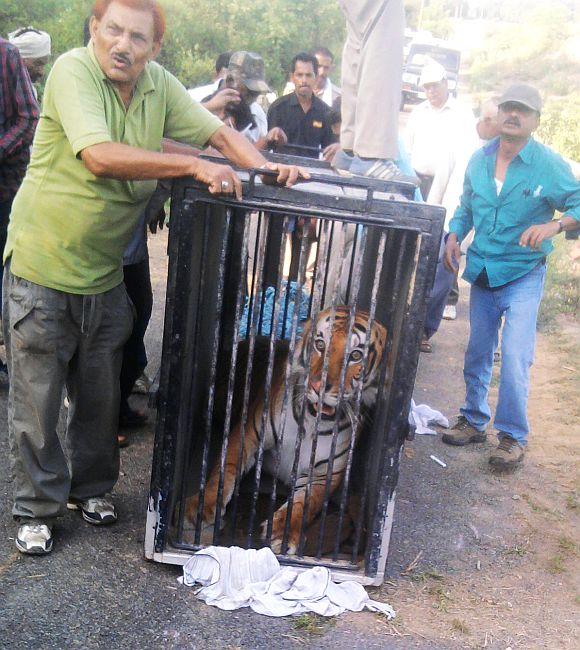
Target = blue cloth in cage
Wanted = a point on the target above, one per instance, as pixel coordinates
(268, 311)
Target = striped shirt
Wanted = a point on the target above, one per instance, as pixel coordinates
(18, 117)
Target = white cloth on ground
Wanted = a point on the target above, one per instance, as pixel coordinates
(422, 415)
(234, 577)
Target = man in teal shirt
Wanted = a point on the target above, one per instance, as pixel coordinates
(512, 188)
(96, 155)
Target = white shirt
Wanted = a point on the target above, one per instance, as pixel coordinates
(329, 93)
(201, 92)
(254, 133)
(432, 134)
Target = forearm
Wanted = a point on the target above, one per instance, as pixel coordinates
(171, 146)
(236, 148)
(126, 163)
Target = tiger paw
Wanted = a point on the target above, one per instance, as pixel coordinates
(278, 526)
(192, 508)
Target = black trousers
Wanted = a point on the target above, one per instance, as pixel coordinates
(138, 284)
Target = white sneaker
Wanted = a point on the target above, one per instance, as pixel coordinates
(450, 312)
(99, 511)
(34, 538)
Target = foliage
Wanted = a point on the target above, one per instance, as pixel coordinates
(198, 30)
(530, 51)
(437, 18)
(559, 125)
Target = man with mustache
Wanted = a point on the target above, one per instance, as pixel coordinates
(97, 154)
(301, 117)
(512, 187)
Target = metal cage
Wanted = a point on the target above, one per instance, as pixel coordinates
(254, 446)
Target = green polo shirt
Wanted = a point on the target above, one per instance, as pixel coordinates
(68, 229)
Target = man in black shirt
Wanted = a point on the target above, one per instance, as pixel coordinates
(304, 119)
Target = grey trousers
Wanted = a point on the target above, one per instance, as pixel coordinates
(56, 339)
(372, 68)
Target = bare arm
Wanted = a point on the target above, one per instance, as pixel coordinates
(126, 163)
(233, 146)
(244, 154)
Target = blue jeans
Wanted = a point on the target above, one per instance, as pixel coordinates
(517, 302)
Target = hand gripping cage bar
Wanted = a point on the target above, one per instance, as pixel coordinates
(231, 271)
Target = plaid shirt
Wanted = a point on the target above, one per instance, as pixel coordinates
(18, 117)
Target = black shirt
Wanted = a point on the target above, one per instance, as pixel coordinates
(311, 129)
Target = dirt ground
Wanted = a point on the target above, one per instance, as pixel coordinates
(476, 560)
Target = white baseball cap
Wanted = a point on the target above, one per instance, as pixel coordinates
(432, 72)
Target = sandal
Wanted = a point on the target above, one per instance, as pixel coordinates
(425, 346)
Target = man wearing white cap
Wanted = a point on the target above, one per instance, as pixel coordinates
(34, 48)
(438, 127)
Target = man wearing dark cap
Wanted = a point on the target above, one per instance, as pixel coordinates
(245, 76)
(512, 187)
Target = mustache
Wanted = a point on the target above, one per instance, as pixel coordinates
(122, 57)
(513, 122)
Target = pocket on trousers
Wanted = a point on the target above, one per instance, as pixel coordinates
(31, 329)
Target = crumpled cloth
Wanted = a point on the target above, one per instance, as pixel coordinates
(234, 577)
(268, 311)
(421, 416)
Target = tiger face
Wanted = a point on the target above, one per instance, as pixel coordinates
(330, 339)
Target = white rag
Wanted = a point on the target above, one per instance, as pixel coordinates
(421, 416)
(234, 577)
(31, 43)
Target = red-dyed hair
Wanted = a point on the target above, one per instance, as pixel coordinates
(100, 7)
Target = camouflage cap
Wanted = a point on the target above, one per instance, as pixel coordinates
(249, 68)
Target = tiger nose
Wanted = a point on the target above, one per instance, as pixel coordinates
(315, 385)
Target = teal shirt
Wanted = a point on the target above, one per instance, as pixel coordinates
(538, 182)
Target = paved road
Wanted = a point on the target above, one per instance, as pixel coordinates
(96, 591)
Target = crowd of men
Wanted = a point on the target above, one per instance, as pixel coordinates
(115, 127)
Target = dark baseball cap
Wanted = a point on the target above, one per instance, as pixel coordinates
(522, 94)
(249, 68)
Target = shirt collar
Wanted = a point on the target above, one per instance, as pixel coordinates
(526, 154)
(449, 104)
(144, 83)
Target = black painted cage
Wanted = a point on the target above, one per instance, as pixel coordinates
(291, 341)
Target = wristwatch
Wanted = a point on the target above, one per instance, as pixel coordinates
(560, 226)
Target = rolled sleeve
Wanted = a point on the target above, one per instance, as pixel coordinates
(565, 192)
(78, 101)
(186, 120)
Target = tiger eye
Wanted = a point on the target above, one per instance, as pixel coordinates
(319, 344)
(356, 355)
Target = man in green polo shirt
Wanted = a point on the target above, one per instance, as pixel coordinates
(96, 156)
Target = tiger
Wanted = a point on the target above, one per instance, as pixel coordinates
(330, 337)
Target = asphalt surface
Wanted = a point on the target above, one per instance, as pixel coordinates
(95, 590)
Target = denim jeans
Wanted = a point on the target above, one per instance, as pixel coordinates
(517, 303)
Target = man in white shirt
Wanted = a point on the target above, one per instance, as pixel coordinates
(447, 184)
(440, 129)
(324, 88)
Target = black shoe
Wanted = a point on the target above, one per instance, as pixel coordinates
(129, 418)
